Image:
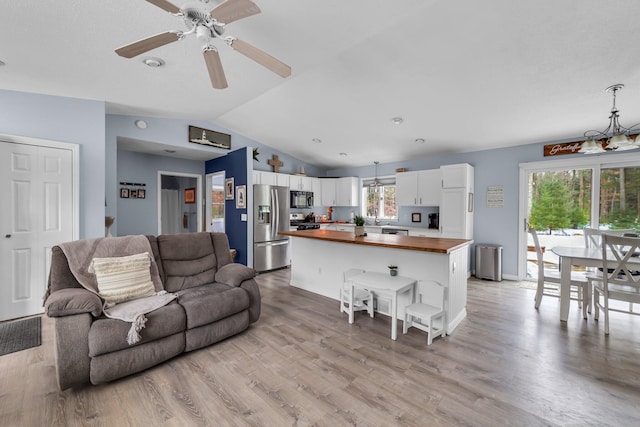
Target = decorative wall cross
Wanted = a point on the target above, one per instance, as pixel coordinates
(276, 163)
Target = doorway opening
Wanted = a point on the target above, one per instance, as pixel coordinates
(215, 197)
(179, 202)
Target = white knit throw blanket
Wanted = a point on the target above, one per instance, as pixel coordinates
(134, 312)
(79, 255)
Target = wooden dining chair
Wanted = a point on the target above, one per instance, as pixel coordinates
(621, 280)
(549, 281)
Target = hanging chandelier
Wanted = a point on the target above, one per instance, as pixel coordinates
(620, 139)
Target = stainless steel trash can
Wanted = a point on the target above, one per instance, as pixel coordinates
(489, 262)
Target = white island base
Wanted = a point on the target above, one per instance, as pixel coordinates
(318, 266)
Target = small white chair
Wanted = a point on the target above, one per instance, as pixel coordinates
(362, 298)
(428, 316)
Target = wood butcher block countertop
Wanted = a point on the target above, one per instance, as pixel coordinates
(393, 241)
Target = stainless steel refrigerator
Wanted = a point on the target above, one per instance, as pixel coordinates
(270, 215)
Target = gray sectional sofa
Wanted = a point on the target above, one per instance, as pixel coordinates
(215, 300)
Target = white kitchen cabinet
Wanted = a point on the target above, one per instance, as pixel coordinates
(373, 230)
(407, 188)
(328, 227)
(328, 191)
(418, 188)
(271, 178)
(345, 227)
(347, 191)
(424, 233)
(456, 209)
(339, 191)
(456, 176)
(301, 183)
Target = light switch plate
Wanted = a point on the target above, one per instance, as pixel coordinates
(243, 217)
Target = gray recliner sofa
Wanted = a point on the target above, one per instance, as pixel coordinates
(216, 299)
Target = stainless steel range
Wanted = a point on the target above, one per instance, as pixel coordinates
(301, 222)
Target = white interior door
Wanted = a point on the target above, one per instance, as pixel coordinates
(37, 183)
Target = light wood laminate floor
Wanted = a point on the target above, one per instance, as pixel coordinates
(303, 364)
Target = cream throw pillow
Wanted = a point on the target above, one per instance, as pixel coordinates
(124, 278)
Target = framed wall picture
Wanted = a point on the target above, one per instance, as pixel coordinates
(209, 137)
(189, 195)
(241, 197)
(124, 193)
(228, 188)
(416, 217)
(142, 194)
(133, 194)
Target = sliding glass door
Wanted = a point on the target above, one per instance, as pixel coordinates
(561, 197)
(619, 195)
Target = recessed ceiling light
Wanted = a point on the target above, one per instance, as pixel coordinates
(317, 140)
(170, 151)
(153, 62)
(343, 154)
(420, 141)
(140, 124)
(397, 120)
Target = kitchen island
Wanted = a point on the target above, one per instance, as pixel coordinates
(320, 257)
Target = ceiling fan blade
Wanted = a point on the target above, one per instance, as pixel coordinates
(262, 58)
(232, 10)
(145, 45)
(214, 66)
(164, 4)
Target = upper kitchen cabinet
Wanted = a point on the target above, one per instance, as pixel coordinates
(270, 178)
(328, 191)
(339, 191)
(457, 176)
(303, 183)
(456, 210)
(347, 191)
(418, 188)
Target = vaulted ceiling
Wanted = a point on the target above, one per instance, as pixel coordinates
(464, 75)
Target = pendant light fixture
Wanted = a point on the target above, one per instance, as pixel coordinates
(375, 185)
(620, 140)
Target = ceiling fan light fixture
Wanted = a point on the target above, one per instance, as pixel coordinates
(203, 33)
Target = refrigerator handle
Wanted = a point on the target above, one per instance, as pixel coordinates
(276, 213)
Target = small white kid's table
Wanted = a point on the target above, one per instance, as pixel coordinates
(390, 286)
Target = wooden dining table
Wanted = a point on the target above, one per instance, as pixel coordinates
(570, 256)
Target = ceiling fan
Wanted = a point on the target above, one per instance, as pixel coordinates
(208, 25)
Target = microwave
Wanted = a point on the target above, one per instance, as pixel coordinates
(301, 199)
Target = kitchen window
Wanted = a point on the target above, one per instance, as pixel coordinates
(379, 202)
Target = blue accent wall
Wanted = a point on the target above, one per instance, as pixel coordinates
(235, 166)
